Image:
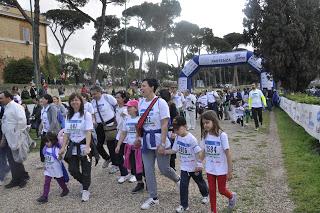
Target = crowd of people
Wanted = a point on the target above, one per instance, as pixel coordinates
(137, 132)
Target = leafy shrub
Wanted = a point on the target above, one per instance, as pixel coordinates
(19, 71)
(303, 98)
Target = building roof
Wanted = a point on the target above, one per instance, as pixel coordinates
(13, 12)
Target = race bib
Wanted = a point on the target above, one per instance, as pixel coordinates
(73, 126)
(212, 149)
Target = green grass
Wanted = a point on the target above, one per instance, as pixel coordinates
(302, 163)
(303, 98)
(266, 122)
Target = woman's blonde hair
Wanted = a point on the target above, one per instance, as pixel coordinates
(59, 99)
(210, 116)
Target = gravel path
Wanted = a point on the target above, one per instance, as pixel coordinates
(259, 180)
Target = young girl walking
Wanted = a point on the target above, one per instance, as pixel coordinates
(191, 166)
(133, 157)
(216, 151)
(53, 167)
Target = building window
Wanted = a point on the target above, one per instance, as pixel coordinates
(25, 34)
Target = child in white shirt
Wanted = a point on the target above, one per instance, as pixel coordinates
(239, 112)
(53, 167)
(132, 154)
(191, 166)
(218, 158)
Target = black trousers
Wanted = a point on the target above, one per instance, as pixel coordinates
(257, 113)
(240, 120)
(18, 171)
(101, 139)
(83, 177)
(184, 186)
(42, 144)
(213, 106)
(119, 160)
(133, 166)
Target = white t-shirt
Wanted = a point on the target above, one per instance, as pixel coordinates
(44, 119)
(211, 96)
(203, 101)
(187, 147)
(159, 111)
(77, 127)
(88, 108)
(178, 100)
(239, 111)
(17, 99)
(121, 116)
(129, 126)
(106, 109)
(255, 96)
(52, 166)
(191, 102)
(216, 159)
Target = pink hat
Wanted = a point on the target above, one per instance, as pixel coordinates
(132, 103)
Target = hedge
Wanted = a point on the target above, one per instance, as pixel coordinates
(19, 71)
(303, 98)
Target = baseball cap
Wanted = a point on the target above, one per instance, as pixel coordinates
(132, 103)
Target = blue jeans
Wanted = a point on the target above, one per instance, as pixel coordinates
(4, 167)
(184, 186)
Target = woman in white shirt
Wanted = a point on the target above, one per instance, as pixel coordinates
(155, 140)
(122, 98)
(78, 139)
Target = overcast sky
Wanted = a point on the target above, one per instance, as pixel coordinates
(223, 16)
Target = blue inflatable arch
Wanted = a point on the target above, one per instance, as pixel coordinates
(224, 59)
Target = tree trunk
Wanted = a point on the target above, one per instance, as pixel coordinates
(220, 75)
(235, 76)
(155, 62)
(98, 43)
(62, 57)
(205, 78)
(214, 73)
(140, 64)
(36, 44)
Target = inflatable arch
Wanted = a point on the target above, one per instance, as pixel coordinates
(224, 59)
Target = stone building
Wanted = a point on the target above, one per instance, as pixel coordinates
(16, 36)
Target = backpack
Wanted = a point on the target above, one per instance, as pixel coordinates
(64, 170)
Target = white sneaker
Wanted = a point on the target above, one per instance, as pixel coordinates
(85, 195)
(113, 169)
(181, 209)
(105, 164)
(123, 179)
(132, 179)
(149, 203)
(232, 201)
(205, 200)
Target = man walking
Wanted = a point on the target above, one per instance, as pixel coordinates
(256, 102)
(190, 104)
(14, 139)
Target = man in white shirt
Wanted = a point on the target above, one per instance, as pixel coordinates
(14, 123)
(104, 114)
(190, 105)
(212, 100)
(178, 99)
(256, 102)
